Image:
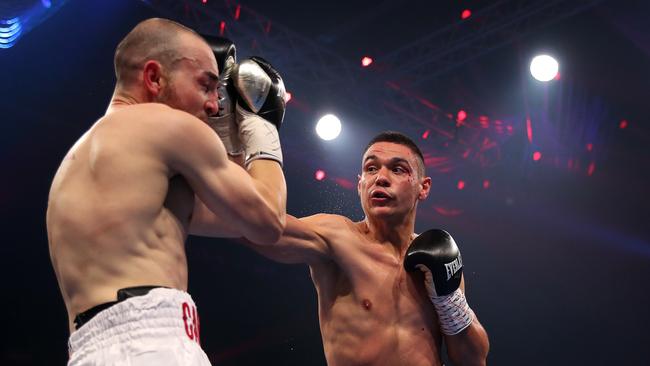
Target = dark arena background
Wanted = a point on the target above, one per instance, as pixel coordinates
(544, 185)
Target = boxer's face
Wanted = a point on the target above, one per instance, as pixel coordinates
(389, 183)
(192, 82)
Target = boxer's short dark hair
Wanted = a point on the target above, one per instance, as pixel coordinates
(400, 139)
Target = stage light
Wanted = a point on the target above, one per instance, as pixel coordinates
(465, 14)
(366, 61)
(591, 168)
(425, 135)
(544, 68)
(328, 127)
(462, 115)
(537, 155)
(529, 130)
(486, 184)
(287, 97)
(590, 147)
(237, 12)
(461, 185)
(484, 121)
(319, 175)
(222, 27)
(623, 124)
(345, 183)
(10, 30)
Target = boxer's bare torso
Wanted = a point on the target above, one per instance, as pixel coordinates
(371, 311)
(117, 214)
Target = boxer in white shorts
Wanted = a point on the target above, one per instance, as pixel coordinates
(159, 328)
(147, 174)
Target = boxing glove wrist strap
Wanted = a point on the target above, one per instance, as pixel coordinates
(259, 137)
(453, 311)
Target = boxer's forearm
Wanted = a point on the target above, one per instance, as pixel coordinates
(269, 181)
(469, 347)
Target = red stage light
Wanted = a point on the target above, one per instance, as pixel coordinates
(591, 168)
(486, 184)
(485, 121)
(425, 135)
(204, 1)
(345, 183)
(623, 124)
(529, 130)
(237, 12)
(465, 14)
(366, 61)
(320, 175)
(461, 184)
(590, 147)
(445, 211)
(537, 155)
(287, 97)
(461, 115)
(222, 27)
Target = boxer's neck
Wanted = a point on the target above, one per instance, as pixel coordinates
(396, 233)
(121, 99)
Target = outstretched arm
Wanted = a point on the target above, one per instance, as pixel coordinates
(304, 240)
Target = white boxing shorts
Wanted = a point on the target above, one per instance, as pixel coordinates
(160, 328)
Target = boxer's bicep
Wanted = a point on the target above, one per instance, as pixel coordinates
(301, 242)
(227, 190)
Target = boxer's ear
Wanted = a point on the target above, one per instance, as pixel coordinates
(152, 75)
(359, 185)
(425, 188)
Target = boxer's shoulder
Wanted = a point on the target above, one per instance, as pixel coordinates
(329, 223)
(144, 114)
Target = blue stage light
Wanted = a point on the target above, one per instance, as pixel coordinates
(10, 30)
(25, 17)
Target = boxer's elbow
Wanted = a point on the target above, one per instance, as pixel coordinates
(269, 229)
(470, 347)
(275, 229)
(475, 357)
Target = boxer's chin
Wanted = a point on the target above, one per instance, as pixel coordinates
(381, 210)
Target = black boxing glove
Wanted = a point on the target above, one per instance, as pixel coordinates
(224, 123)
(260, 108)
(224, 51)
(436, 254)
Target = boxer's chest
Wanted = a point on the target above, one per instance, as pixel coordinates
(379, 284)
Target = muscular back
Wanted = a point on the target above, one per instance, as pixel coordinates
(117, 214)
